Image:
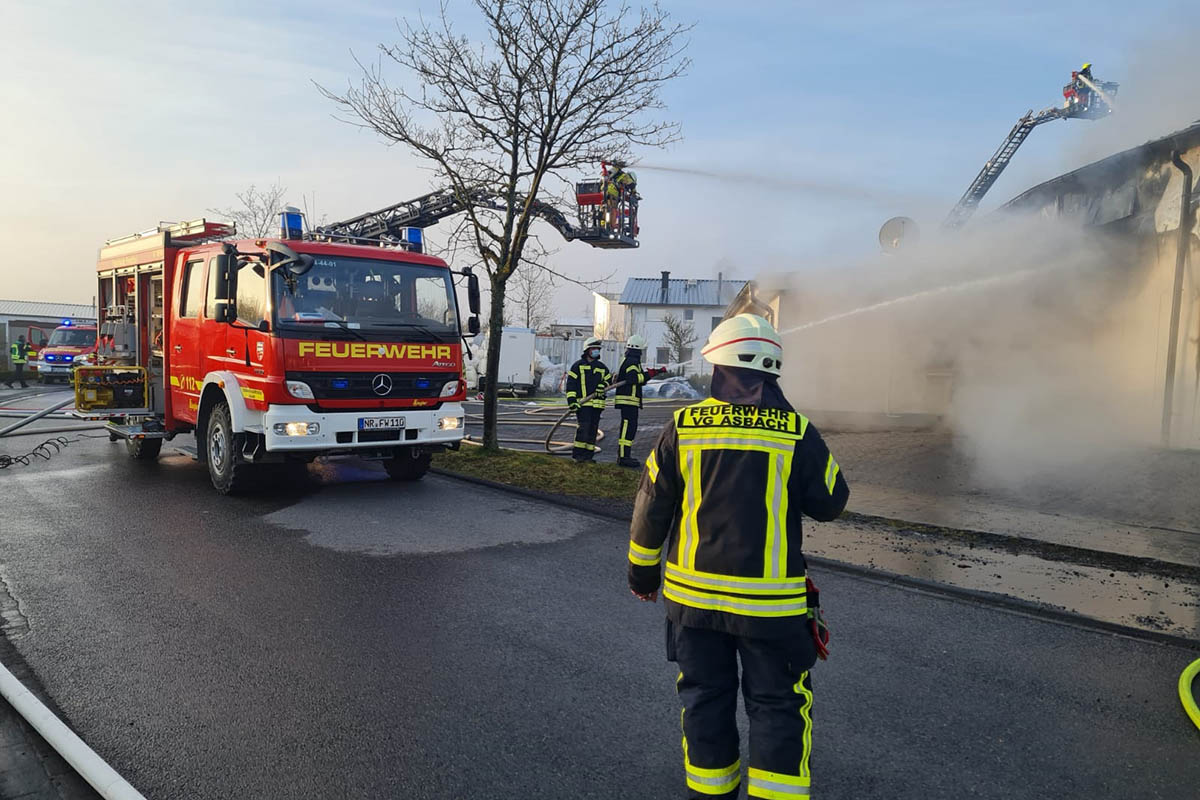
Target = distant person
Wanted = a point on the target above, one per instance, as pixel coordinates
(628, 396)
(620, 186)
(721, 502)
(18, 354)
(587, 376)
(1082, 90)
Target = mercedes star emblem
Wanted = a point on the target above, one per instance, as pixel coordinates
(382, 384)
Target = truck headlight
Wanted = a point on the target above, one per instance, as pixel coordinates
(449, 389)
(297, 428)
(449, 423)
(299, 389)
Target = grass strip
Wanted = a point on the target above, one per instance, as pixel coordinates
(541, 472)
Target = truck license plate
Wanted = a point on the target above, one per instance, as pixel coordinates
(380, 423)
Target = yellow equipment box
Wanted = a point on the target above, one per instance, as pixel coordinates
(122, 390)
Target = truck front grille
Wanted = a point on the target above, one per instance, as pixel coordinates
(374, 385)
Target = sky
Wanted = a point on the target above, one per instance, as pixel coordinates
(828, 118)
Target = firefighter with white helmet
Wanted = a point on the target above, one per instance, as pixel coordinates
(721, 498)
(587, 376)
(630, 377)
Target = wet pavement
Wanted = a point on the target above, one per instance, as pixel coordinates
(348, 636)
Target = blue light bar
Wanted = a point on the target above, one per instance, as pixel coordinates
(66, 323)
(291, 223)
(68, 357)
(414, 238)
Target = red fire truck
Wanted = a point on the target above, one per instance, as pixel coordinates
(272, 350)
(344, 339)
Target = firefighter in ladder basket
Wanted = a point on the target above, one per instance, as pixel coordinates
(720, 501)
(620, 194)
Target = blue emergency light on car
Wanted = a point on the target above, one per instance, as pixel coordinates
(291, 223)
(66, 323)
(421, 383)
(51, 357)
(340, 383)
(68, 357)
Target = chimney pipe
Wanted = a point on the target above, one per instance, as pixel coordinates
(720, 286)
(666, 286)
(1181, 258)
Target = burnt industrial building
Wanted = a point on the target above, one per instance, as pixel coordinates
(1076, 305)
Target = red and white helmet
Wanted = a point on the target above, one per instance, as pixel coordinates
(745, 340)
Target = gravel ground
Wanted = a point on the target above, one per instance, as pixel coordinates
(1152, 488)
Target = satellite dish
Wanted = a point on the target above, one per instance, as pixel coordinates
(897, 233)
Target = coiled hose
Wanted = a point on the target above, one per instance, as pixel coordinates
(1187, 679)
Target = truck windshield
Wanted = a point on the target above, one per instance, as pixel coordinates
(364, 295)
(72, 337)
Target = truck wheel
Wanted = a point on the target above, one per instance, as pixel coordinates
(228, 473)
(143, 449)
(409, 464)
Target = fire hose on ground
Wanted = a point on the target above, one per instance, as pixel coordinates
(552, 446)
(1187, 680)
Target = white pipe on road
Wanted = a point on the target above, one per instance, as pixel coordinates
(93, 769)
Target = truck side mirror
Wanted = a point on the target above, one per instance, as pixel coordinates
(226, 264)
(473, 293)
(473, 325)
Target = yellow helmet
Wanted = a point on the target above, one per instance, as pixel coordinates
(1086, 65)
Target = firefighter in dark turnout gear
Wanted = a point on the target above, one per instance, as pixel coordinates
(586, 376)
(722, 498)
(630, 378)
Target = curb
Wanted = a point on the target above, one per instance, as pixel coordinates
(883, 577)
(1049, 551)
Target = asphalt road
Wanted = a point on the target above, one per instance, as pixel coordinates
(351, 637)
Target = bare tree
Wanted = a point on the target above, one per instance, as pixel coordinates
(679, 337)
(257, 211)
(533, 295)
(556, 85)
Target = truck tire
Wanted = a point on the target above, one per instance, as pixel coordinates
(143, 449)
(409, 464)
(228, 473)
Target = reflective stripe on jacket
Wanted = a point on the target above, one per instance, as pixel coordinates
(16, 354)
(584, 378)
(722, 497)
(633, 375)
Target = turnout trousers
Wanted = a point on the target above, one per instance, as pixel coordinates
(629, 420)
(17, 374)
(588, 419)
(777, 692)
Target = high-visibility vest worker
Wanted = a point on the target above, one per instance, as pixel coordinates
(627, 397)
(720, 502)
(587, 376)
(18, 354)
